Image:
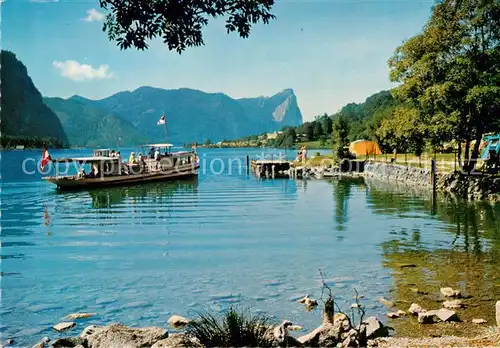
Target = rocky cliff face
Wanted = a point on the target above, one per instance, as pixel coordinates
(23, 113)
(275, 112)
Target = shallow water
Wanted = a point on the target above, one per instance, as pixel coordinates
(137, 255)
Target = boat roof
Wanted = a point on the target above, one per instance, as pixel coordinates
(158, 145)
(85, 159)
(183, 153)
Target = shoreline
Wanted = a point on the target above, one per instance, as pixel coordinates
(336, 330)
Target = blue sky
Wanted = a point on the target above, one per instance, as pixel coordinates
(331, 52)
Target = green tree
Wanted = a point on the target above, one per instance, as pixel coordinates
(289, 136)
(180, 24)
(403, 131)
(322, 140)
(207, 142)
(451, 73)
(327, 123)
(307, 129)
(340, 137)
(317, 129)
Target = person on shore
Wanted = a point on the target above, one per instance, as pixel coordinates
(304, 154)
(299, 154)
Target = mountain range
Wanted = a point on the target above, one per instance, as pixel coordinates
(193, 115)
(130, 117)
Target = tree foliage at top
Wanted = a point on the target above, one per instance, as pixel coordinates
(451, 73)
(180, 23)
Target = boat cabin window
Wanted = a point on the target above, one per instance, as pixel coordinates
(101, 153)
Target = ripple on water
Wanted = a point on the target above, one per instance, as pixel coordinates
(224, 240)
(43, 307)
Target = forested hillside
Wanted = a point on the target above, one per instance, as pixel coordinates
(25, 119)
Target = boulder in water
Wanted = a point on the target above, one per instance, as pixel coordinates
(449, 292)
(64, 326)
(177, 321)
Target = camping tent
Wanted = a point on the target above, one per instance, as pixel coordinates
(364, 147)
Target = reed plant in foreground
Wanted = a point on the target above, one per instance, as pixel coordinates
(234, 328)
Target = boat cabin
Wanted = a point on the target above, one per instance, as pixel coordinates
(102, 153)
(160, 157)
(98, 166)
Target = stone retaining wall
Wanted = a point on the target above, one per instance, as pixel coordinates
(471, 187)
(457, 185)
(398, 173)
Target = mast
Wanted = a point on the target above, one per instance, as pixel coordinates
(165, 125)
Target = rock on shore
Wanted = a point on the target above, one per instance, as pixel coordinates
(177, 321)
(120, 336)
(177, 340)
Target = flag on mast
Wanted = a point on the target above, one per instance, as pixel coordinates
(162, 120)
(45, 158)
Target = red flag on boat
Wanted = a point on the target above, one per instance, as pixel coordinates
(161, 121)
(45, 158)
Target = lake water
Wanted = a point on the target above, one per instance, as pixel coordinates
(137, 255)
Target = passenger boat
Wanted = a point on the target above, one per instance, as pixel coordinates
(108, 170)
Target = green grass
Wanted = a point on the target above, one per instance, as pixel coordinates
(445, 162)
(314, 145)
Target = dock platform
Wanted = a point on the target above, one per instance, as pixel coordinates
(270, 168)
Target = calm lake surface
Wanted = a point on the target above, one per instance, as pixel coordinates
(137, 255)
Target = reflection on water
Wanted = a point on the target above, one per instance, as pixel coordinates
(342, 195)
(158, 193)
(469, 260)
(139, 254)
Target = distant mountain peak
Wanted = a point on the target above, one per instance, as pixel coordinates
(288, 91)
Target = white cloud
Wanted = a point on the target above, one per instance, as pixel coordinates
(81, 72)
(94, 16)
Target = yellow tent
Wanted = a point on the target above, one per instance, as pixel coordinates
(364, 147)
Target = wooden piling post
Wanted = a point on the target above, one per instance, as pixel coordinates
(434, 184)
(433, 174)
(247, 161)
(273, 171)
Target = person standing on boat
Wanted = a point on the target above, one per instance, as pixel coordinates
(157, 157)
(152, 152)
(131, 159)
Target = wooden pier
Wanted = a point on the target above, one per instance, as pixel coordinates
(270, 168)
